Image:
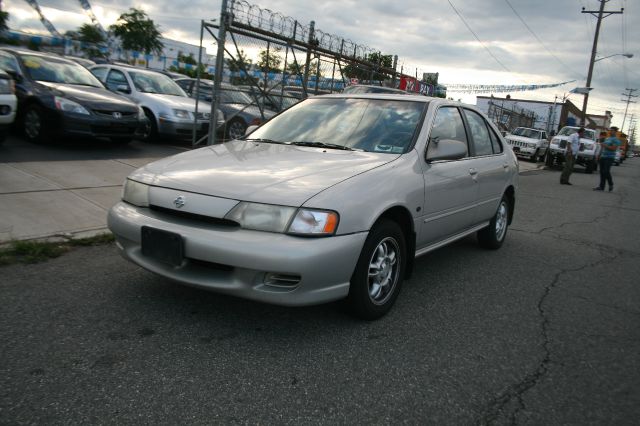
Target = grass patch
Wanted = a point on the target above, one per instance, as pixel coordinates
(35, 251)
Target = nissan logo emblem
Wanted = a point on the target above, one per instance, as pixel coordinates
(179, 202)
(117, 115)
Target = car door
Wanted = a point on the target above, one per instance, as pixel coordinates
(450, 188)
(490, 164)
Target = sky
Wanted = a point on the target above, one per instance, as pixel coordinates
(465, 41)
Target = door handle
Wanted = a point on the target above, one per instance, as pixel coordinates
(473, 172)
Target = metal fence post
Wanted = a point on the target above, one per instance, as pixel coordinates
(224, 20)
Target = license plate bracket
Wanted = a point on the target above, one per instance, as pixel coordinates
(165, 246)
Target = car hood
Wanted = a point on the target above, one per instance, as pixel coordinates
(93, 97)
(259, 172)
(232, 109)
(175, 102)
(520, 138)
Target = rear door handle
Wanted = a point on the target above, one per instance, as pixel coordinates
(473, 172)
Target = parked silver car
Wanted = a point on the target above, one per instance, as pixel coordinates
(169, 110)
(331, 199)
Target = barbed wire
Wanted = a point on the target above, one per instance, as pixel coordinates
(285, 26)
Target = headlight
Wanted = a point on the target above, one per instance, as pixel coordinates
(181, 113)
(314, 222)
(136, 193)
(266, 217)
(261, 217)
(6, 86)
(555, 141)
(66, 105)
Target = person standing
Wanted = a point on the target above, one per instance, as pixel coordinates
(573, 145)
(607, 155)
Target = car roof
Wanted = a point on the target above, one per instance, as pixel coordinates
(20, 52)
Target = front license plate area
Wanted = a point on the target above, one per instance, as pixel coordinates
(165, 246)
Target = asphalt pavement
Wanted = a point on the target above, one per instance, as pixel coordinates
(65, 191)
(544, 331)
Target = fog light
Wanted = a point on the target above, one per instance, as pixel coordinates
(275, 279)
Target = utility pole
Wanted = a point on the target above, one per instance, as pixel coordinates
(600, 14)
(629, 101)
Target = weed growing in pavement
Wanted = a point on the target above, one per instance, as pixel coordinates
(38, 251)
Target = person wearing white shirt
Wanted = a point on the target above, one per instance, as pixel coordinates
(573, 145)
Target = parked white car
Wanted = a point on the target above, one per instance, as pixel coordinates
(169, 110)
(8, 103)
(528, 143)
(586, 154)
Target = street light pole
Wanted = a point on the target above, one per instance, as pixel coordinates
(600, 16)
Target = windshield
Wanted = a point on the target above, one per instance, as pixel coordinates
(372, 125)
(527, 133)
(42, 68)
(148, 82)
(567, 131)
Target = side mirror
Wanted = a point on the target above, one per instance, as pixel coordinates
(250, 129)
(446, 149)
(15, 76)
(123, 88)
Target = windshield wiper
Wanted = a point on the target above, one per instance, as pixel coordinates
(264, 140)
(322, 145)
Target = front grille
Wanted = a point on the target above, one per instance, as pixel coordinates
(203, 115)
(195, 217)
(518, 143)
(109, 114)
(211, 265)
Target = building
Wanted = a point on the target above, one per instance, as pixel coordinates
(509, 113)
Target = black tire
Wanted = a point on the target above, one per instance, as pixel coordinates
(379, 273)
(235, 129)
(34, 124)
(150, 132)
(589, 168)
(534, 157)
(548, 160)
(494, 235)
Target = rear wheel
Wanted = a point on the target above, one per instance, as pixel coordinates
(493, 235)
(379, 273)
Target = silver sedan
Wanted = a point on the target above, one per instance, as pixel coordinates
(331, 199)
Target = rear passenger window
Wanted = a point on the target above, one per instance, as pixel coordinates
(479, 133)
(495, 141)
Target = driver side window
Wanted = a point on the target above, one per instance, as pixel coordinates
(448, 124)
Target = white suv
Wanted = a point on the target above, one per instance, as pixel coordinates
(169, 110)
(586, 153)
(528, 143)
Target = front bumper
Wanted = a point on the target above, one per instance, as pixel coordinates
(99, 127)
(241, 262)
(183, 129)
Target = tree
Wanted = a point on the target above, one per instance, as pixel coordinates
(138, 32)
(362, 72)
(4, 19)
(240, 63)
(93, 36)
(270, 60)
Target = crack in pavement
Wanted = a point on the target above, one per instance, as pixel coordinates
(516, 391)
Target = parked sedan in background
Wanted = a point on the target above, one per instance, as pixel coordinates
(8, 103)
(58, 97)
(171, 113)
(528, 143)
(331, 199)
(364, 88)
(239, 109)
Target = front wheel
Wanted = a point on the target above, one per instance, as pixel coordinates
(493, 235)
(379, 273)
(34, 125)
(236, 129)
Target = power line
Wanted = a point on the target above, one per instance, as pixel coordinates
(540, 41)
(476, 36)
